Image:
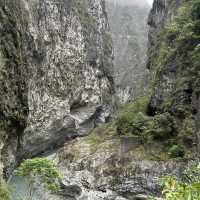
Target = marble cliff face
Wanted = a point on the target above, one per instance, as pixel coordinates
(107, 166)
(56, 72)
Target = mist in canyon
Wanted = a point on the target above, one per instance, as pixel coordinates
(98, 99)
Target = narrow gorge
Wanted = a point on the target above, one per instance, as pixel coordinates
(99, 100)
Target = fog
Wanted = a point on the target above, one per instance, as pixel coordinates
(132, 2)
(150, 2)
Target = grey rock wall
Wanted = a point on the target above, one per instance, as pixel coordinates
(161, 13)
(128, 24)
(117, 167)
(56, 72)
(174, 90)
(68, 89)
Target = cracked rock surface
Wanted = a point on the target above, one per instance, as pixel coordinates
(56, 73)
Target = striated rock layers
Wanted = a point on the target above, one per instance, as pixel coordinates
(55, 73)
(128, 23)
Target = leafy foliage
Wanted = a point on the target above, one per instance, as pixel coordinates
(187, 188)
(134, 120)
(4, 191)
(179, 57)
(173, 121)
(43, 169)
(158, 127)
(176, 151)
(195, 11)
(129, 113)
(180, 46)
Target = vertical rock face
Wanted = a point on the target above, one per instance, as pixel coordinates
(107, 165)
(161, 13)
(173, 58)
(56, 71)
(70, 84)
(128, 23)
(13, 77)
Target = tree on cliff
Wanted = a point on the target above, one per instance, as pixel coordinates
(39, 172)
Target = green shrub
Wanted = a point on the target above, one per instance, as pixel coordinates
(158, 127)
(134, 120)
(196, 63)
(41, 168)
(180, 37)
(195, 11)
(171, 32)
(185, 188)
(4, 191)
(163, 127)
(123, 125)
(141, 124)
(127, 115)
(176, 151)
(179, 48)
